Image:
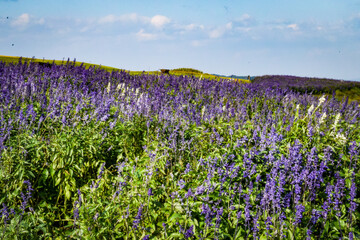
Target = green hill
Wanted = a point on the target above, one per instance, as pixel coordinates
(12, 59)
(177, 71)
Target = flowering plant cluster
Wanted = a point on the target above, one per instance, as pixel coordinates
(89, 154)
(307, 84)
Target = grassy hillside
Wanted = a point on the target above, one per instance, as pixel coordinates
(12, 59)
(197, 73)
(176, 72)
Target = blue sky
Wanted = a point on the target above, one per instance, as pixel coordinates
(314, 38)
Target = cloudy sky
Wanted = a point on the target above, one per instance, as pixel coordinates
(315, 38)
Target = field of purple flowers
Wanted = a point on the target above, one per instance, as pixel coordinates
(88, 154)
(318, 86)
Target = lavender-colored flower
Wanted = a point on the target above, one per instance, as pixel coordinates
(255, 228)
(25, 197)
(238, 215)
(209, 214)
(219, 214)
(308, 234)
(338, 193)
(287, 199)
(200, 190)
(101, 170)
(76, 211)
(146, 237)
(92, 185)
(353, 204)
(150, 193)
(167, 164)
(231, 132)
(181, 184)
(189, 194)
(247, 208)
(29, 188)
(77, 205)
(138, 217)
(12, 211)
(351, 235)
(79, 196)
(297, 190)
(96, 216)
(300, 209)
(173, 195)
(315, 216)
(4, 213)
(354, 153)
(189, 232)
(268, 224)
(127, 212)
(181, 230)
(258, 178)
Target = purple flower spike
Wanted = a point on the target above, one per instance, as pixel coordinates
(138, 217)
(300, 209)
(181, 184)
(189, 232)
(25, 197)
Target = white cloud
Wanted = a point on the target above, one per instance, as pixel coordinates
(22, 20)
(220, 31)
(245, 21)
(131, 17)
(197, 43)
(190, 27)
(143, 36)
(84, 29)
(293, 26)
(108, 19)
(41, 21)
(245, 17)
(217, 32)
(25, 20)
(229, 26)
(159, 21)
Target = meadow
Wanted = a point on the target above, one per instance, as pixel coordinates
(87, 153)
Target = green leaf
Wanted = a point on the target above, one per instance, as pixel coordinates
(57, 181)
(175, 216)
(176, 235)
(326, 228)
(67, 192)
(45, 174)
(263, 237)
(52, 171)
(291, 235)
(31, 174)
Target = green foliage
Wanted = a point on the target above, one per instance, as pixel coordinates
(186, 71)
(58, 162)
